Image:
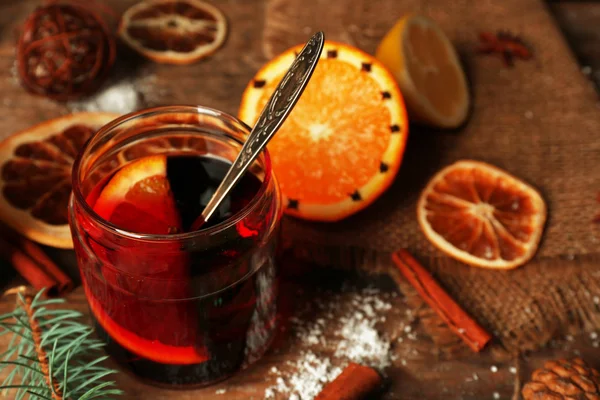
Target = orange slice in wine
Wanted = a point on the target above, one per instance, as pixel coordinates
(35, 181)
(152, 349)
(173, 31)
(482, 215)
(138, 198)
(342, 145)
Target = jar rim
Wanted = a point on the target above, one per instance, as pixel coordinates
(163, 110)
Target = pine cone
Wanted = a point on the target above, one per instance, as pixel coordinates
(563, 380)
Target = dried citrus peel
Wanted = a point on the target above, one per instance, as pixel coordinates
(482, 215)
(173, 31)
(36, 176)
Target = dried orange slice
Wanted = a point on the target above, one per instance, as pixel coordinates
(481, 215)
(173, 31)
(35, 183)
(343, 143)
(428, 71)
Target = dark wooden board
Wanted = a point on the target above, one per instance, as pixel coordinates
(219, 82)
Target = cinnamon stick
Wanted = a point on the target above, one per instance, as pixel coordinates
(65, 284)
(28, 269)
(356, 382)
(475, 336)
(32, 263)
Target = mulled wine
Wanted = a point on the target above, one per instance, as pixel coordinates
(178, 306)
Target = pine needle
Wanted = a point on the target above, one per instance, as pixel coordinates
(52, 355)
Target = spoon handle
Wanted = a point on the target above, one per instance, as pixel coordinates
(272, 116)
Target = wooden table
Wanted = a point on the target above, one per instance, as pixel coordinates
(422, 372)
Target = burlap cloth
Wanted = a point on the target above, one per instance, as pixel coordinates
(538, 120)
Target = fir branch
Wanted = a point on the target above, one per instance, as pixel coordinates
(36, 334)
(51, 354)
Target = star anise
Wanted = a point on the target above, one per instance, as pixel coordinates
(509, 46)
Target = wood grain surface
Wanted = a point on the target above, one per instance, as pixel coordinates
(419, 370)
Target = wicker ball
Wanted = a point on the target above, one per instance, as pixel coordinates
(65, 51)
(563, 380)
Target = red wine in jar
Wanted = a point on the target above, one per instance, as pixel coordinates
(197, 327)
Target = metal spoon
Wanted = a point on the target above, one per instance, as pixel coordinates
(277, 109)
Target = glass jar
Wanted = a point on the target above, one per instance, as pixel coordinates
(189, 308)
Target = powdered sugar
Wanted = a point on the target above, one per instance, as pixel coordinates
(323, 356)
(312, 373)
(360, 341)
(121, 97)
